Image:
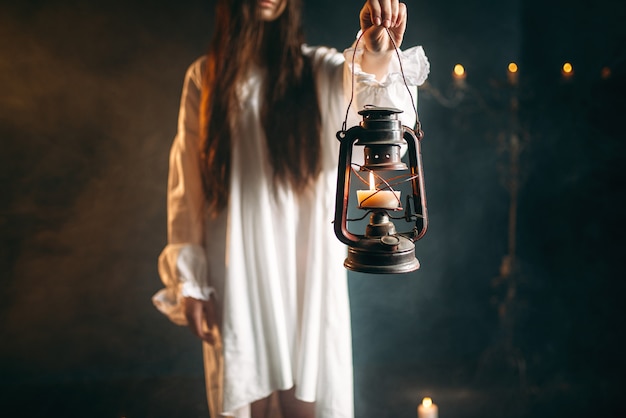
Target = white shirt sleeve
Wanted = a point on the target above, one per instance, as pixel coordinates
(406, 72)
(182, 263)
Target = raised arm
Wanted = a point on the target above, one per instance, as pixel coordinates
(378, 19)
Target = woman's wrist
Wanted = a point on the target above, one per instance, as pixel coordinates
(376, 63)
(381, 54)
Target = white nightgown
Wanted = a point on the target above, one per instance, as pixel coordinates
(272, 257)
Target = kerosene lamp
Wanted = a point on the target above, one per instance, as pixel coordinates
(381, 249)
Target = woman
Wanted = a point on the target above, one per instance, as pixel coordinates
(252, 265)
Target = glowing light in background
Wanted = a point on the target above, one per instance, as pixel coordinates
(427, 409)
(458, 76)
(512, 74)
(459, 71)
(567, 70)
(605, 73)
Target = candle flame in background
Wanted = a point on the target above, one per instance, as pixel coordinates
(567, 69)
(459, 71)
(372, 181)
(512, 73)
(427, 402)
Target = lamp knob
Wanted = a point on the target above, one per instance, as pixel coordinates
(390, 241)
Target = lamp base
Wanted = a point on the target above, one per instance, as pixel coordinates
(388, 254)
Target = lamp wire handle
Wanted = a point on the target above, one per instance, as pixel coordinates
(417, 127)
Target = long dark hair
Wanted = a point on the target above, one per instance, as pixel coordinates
(290, 111)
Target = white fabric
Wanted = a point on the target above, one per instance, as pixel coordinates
(183, 268)
(272, 256)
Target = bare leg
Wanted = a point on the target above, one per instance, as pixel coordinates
(295, 408)
(258, 409)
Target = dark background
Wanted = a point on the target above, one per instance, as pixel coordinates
(517, 310)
